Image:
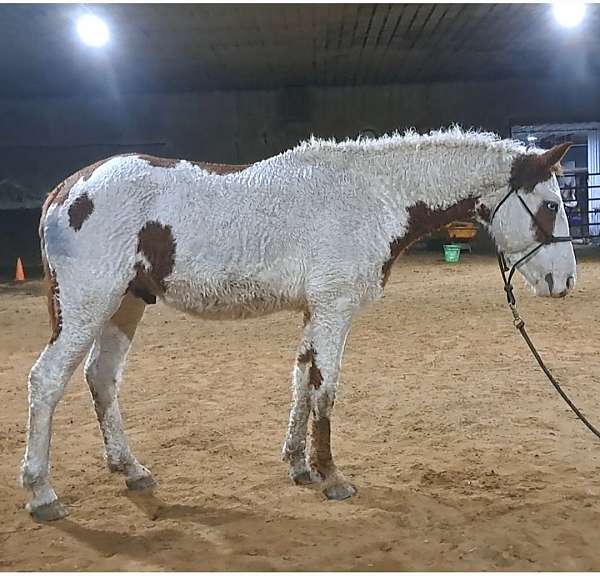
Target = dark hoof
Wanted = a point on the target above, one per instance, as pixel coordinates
(339, 491)
(304, 478)
(142, 483)
(48, 512)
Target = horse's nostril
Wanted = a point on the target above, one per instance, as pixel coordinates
(570, 282)
(550, 281)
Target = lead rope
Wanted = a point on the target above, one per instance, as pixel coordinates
(520, 326)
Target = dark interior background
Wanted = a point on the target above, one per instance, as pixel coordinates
(237, 83)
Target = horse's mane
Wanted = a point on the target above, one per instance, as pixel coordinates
(451, 137)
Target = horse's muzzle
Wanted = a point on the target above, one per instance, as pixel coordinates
(570, 284)
(552, 288)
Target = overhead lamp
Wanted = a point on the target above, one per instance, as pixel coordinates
(92, 30)
(568, 13)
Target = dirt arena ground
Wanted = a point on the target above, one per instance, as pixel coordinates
(464, 457)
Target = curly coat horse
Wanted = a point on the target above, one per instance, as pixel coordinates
(315, 229)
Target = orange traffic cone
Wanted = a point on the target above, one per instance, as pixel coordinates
(19, 272)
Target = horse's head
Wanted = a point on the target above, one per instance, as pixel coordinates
(530, 225)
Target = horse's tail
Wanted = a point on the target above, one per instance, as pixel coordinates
(50, 282)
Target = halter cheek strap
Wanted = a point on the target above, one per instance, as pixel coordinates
(549, 238)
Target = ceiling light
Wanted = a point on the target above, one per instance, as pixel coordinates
(92, 30)
(568, 13)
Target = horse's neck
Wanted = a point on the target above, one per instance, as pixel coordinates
(434, 186)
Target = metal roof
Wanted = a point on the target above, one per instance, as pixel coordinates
(181, 47)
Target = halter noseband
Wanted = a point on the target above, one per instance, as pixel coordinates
(549, 239)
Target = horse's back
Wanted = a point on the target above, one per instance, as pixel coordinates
(175, 231)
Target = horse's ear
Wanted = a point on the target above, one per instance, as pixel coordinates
(556, 154)
(528, 170)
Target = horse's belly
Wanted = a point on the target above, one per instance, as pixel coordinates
(230, 302)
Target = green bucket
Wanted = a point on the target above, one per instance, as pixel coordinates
(451, 252)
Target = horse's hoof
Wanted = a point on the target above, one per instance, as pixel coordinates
(47, 512)
(339, 491)
(141, 483)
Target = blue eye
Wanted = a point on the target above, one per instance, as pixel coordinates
(552, 206)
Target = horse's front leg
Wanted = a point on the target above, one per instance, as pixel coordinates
(315, 380)
(328, 340)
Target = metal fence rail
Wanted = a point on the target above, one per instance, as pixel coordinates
(583, 212)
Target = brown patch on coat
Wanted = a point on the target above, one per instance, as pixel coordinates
(142, 286)
(221, 169)
(528, 170)
(53, 294)
(306, 356)
(423, 220)
(320, 454)
(79, 211)
(544, 222)
(50, 281)
(159, 162)
(157, 244)
(315, 378)
(211, 167)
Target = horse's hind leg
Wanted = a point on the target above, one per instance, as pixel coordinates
(79, 303)
(47, 381)
(294, 448)
(103, 370)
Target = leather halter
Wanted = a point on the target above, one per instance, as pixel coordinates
(519, 322)
(550, 238)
